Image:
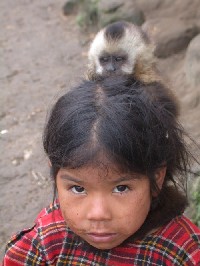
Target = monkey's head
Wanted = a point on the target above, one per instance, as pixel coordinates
(115, 50)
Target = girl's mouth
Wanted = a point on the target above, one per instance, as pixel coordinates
(101, 237)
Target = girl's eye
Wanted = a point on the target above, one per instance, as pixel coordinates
(78, 190)
(120, 189)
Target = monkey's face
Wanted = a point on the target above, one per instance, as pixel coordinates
(115, 51)
(111, 64)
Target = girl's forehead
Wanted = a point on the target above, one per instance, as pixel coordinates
(102, 172)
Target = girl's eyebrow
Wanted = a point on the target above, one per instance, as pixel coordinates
(70, 178)
(124, 178)
(80, 182)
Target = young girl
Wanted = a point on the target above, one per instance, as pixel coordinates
(119, 163)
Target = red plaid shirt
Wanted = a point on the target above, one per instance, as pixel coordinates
(50, 242)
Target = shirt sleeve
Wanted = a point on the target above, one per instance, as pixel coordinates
(24, 248)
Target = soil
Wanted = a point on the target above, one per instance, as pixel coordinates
(41, 57)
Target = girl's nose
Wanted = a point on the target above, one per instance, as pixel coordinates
(99, 210)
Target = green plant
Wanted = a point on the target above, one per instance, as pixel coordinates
(195, 198)
(88, 13)
(196, 202)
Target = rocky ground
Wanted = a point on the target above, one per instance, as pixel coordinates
(41, 56)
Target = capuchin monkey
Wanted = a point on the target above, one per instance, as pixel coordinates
(123, 49)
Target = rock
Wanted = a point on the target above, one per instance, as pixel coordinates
(167, 8)
(133, 16)
(192, 99)
(70, 7)
(148, 5)
(192, 62)
(109, 6)
(120, 10)
(170, 36)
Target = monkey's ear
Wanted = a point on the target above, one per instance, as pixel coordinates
(160, 177)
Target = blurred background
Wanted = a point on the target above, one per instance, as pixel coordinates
(43, 52)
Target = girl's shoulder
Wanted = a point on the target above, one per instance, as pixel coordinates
(178, 241)
(28, 247)
(181, 230)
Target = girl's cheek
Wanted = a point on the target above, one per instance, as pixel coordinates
(70, 214)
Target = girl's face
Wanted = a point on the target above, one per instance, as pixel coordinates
(104, 207)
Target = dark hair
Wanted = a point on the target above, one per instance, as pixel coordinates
(115, 31)
(133, 125)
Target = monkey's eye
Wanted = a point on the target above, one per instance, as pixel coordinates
(104, 59)
(119, 58)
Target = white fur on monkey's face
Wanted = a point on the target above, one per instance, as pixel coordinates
(131, 44)
(96, 48)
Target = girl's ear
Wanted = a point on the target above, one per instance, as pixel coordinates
(160, 177)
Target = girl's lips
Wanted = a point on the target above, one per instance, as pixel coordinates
(101, 237)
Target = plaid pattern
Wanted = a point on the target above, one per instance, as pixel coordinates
(50, 242)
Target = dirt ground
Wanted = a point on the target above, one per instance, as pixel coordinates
(41, 56)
